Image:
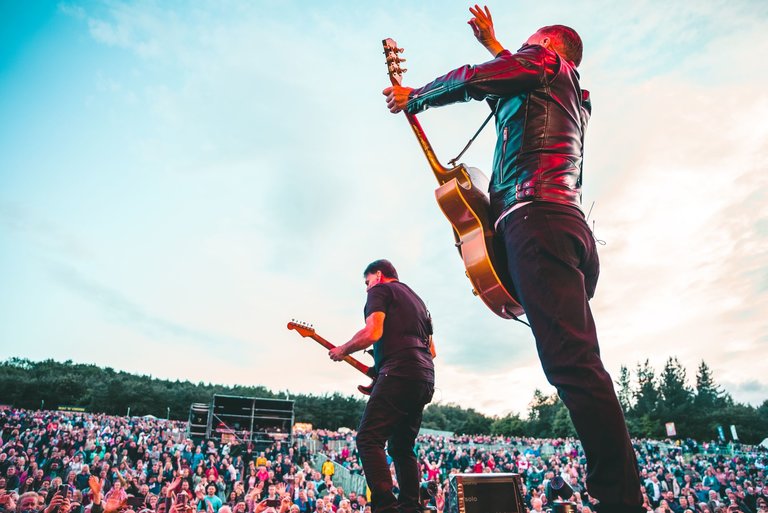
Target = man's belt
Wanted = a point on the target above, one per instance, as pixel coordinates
(539, 190)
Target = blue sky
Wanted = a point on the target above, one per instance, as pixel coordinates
(179, 179)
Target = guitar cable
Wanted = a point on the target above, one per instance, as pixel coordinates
(518, 319)
(598, 241)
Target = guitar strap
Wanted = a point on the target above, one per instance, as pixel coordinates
(452, 162)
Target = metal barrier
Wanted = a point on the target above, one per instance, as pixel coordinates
(313, 445)
(342, 477)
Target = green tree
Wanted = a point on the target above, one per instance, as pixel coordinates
(562, 426)
(708, 394)
(625, 389)
(452, 417)
(676, 397)
(762, 412)
(674, 391)
(547, 416)
(646, 395)
(510, 425)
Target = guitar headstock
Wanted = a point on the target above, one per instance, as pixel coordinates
(392, 53)
(304, 329)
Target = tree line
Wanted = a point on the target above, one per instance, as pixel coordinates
(649, 401)
(703, 411)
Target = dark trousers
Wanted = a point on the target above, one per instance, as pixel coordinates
(554, 266)
(393, 415)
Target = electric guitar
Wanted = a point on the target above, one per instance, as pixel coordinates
(463, 199)
(306, 330)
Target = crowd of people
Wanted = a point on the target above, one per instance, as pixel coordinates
(74, 462)
(677, 478)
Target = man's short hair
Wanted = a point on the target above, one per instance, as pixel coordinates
(566, 42)
(383, 265)
(24, 497)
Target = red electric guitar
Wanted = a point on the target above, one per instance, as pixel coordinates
(306, 330)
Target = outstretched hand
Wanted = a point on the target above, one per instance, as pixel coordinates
(397, 97)
(174, 484)
(95, 484)
(482, 27)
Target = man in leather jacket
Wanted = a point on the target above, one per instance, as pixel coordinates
(541, 113)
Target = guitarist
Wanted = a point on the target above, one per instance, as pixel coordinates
(399, 327)
(541, 114)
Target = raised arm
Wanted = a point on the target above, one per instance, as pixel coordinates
(482, 27)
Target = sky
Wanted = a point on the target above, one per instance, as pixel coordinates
(178, 180)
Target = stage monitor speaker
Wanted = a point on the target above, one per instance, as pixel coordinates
(198, 420)
(485, 493)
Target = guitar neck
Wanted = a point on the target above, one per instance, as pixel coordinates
(395, 72)
(350, 360)
(441, 173)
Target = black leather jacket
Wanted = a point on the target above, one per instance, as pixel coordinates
(541, 115)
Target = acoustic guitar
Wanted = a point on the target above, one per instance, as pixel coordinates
(463, 198)
(307, 331)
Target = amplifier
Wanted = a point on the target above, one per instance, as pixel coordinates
(485, 493)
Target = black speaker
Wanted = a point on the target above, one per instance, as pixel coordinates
(198, 420)
(485, 493)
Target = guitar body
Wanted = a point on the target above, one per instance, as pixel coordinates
(467, 210)
(463, 198)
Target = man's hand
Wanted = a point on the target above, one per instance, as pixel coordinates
(6, 501)
(260, 506)
(113, 504)
(174, 484)
(55, 504)
(177, 508)
(440, 502)
(66, 505)
(337, 354)
(95, 484)
(482, 26)
(397, 97)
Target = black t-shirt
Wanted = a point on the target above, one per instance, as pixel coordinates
(403, 349)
